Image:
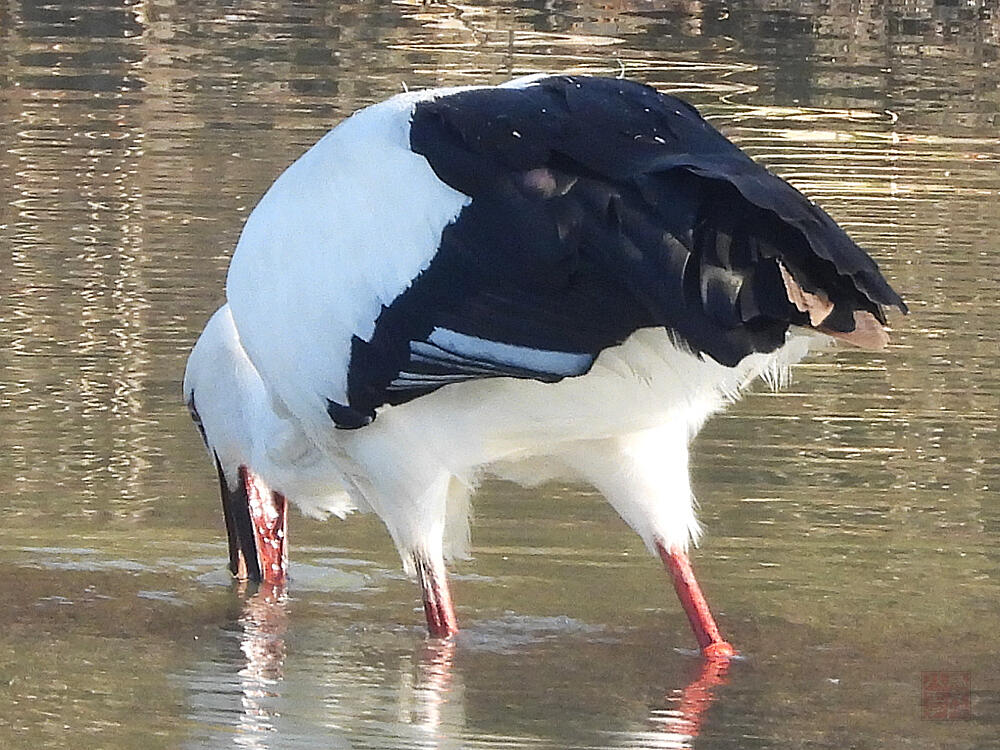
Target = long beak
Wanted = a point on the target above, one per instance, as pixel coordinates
(257, 527)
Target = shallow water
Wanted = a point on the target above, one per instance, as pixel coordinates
(853, 519)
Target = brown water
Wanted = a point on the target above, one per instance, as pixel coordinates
(853, 520)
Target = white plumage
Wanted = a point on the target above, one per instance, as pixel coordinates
(242, 428)
(368, 291)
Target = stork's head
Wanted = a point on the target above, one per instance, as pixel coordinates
(228, 403)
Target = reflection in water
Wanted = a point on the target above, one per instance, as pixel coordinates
(423, 699)
(677, 725)
(426, 684)
(264, 621)
(693, 700)
(133, 138)
(243, 695)
(78, 281)
(238, 689)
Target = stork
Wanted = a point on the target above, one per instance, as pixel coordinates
(561, 277)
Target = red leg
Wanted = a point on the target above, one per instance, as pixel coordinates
(441, 621)
(689, 592)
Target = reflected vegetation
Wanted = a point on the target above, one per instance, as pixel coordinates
(853, 522)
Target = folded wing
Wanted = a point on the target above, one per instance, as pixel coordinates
(599, 207)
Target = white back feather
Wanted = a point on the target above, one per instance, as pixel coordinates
(341, 233)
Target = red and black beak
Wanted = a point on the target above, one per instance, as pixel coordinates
(257, 526)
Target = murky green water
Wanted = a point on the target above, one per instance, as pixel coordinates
(853, 520)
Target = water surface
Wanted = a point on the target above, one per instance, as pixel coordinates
(853, 522)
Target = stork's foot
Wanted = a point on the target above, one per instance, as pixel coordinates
(440, 613)
(719, 650)
(712, 645)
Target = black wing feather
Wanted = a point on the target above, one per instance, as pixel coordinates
(599, 207)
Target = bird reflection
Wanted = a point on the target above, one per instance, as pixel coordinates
(425, 690)
(264, 621)
(429, 708)
(423, 697)
(676, 725)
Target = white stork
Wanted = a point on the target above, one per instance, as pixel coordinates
(559, 277)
